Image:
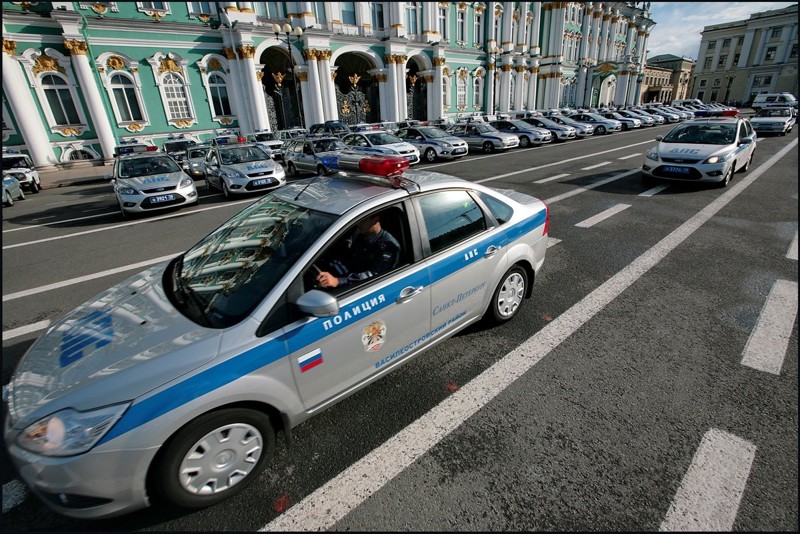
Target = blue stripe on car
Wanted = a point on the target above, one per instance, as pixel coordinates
(311, 332)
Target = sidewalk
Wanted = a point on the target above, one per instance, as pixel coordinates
(75, 176)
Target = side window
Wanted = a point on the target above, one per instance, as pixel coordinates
(450, 217)
(501, 211)
(742, 131)
(403, 134)
(307, 149)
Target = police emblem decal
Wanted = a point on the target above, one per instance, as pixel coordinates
(373, 336)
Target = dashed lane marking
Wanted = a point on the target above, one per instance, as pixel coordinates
(602, 216)
(766, 347)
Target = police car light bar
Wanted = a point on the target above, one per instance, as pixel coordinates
(135, 149)
(386, 166)
(229, 140)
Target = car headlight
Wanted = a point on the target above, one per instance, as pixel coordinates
(719, 159)
(128, 191)
(652, 154)
(186, 182)
(445, 144)
(69, 432)
(233, 173)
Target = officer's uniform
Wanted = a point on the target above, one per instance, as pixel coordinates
(367, 257)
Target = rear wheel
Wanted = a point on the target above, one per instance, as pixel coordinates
(21, 194)
(600, 130)
(321, 170)
(430, 155)
(291, 168)
(509, 295)
(488, 147)
(8, 200)
(36, 187)
(214, 457)
(524, 142)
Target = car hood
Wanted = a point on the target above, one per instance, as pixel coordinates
(452, 140)
(398, 146)
(499, 135)
(692, 151)
(254, 167)
(154, 181)
(128, 340)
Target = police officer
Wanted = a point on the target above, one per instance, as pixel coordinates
(373, 251)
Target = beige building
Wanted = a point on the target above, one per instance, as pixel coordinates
(738, 60)
(681, 70)
(657, 84)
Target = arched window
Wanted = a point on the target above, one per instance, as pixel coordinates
(220, 105)
(175, 93)
(477, 92)
(80, 154)
(461, 92)
(125, 98)
(446, 91)
(59, 98)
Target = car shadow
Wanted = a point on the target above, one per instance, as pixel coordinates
(634, 184)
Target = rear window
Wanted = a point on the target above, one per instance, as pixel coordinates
(178, 146)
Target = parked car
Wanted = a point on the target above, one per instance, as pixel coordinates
(194, 164)
(289, 134)
(337, 128)
(628, 123)
(21, 167)
(647, 120)
(658, 119)
(601, 125)
(378, 142)
(529, 135)
(582, 129)
(669, 117)
(305, 154)
(176, 148)
(147, 180)
(702, 150)
(173, 385)
(12, 190)
(433, 143)
(268, 141)
(774, 100)
(561, 132)
(483, 136)
(774, 120)
(241, 168)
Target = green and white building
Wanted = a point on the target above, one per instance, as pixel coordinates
(81, 77)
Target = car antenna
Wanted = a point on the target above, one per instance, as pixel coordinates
(306, 187)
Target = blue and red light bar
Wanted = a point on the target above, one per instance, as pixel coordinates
(386, 166)
(135, 149)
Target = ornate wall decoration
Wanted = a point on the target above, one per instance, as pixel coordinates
(69, 131)
(182, 123)
(439, 61)
(214, 64)
(302, 76)
(134, 127)
(229, 53)
(45, 63)
(9, 47)
(75, 47)
(99, 8)
(169, 65)
(115, 63)
(225, 120)
(278, 77)
(259, 75)
(247, 51)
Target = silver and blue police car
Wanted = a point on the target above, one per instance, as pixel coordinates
(484, 137)
(702, 150)
(379, 142)
(172, 385)
(147, 180)
(236, 167)
(434, 143)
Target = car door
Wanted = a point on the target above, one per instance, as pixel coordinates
(211, 166)
(381, 322)
(305, 157)
(466, 253)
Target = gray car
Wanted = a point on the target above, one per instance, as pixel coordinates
(529, 135)
(305, 154)
(560, 132)
(434, 143)
(581, 128)
(601, 124)
(484, 137)
(173, 385)
(237, 169)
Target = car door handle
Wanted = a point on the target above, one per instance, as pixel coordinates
(409, 293)
(491, 251)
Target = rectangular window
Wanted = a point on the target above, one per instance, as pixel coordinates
(757, 80)
(200, 8)
(721, 62)
(714, 96)
(771, 53)
(776, 32)
(712, 45)
(443, 23)
(160, 6)
(716, 82)
(377, 16)
(348, 13)
(461, 28)
(793, 53)
(478, 29)
(740, 42)
(703, 83)
(736, 59)
(767, 80)
(707, 63)
(318, 8)
(411, 18)
(726, 43)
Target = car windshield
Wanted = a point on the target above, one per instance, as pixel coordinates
(773, 113)
(261, 137)
(433, 133)
(241, 154)
(382, 138)
(485, 128)
(521, 124)
(703, 134)
(328, 145)
(196, 153)
(225, 276)
(133, 168)
(177, 146)
(569, 122)
(14, 162)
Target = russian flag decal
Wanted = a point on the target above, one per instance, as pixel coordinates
(310, 360)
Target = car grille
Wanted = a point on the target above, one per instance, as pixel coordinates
(257, 174)
(693, 173)
(148, 204)
(159, 189)
(680, 160)
(406, 152)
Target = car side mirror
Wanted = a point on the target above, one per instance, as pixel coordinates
(318, 303)
(659, 137)
(745, 140)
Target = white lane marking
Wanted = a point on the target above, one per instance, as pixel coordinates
(603, 164)
(552, 241)
(27, 329)
(651, 192)
(334, 500)
(585, 188)
(545, 180)
(792, 253)
(86, 278)
(61, 222)
(560, 162)
(602, 216)
(14, 493)
(766, 347)
(56, 203)
(123, 225)
(709, 496)
(43, 218)
(630, 156)
(93, 209)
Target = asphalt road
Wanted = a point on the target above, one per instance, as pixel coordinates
(616, 400)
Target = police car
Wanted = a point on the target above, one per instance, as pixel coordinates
(236, 167)
(433, 143)
(482, 136)
(702, 150)
(269, 141)
(774, 120)
(20, 166)
(379, 142)
(172, 385)
(194, 164)
(147, 180)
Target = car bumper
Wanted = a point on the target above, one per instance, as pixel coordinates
(768, 129)
(563, 136)
(686, 173)
(258, 183)
(506, 145)
(451, 153)
(155, 202)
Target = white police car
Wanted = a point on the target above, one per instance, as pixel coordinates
(20, 166)
(171, 386)
(379, 142)
(433, 143)
(146, 180)
(702, 150)
(235, 167)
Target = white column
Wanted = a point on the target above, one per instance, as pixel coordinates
(505, 86)
(392, 111)
(428, 75)
(535, 45)
(31, 126)
(519, 87)
(746, 46)
(253, 93)
(92, 96)
(491, 68)
(787, 38)
(238, 101)
(402, 103)
(301, 73)
(629, 40)
(759, 57)
(533, 81)
(333, 104)
(325, 82)
(438, 76)
(314, 88)
(622, 88)
(604, 32)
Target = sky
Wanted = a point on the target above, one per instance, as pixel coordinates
(678, 24)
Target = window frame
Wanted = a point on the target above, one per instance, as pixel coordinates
(180, 72)
(424, 232)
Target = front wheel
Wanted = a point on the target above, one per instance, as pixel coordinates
(225, 189)
(600, 130)
(36, 187)
(21, 194)
(746, 166)
(214, 457)
(292, 169)
(321, 170)
(430, 155)
(524, 142)
(727, 179)
(509, 295)
(8, 201)
(488, 147)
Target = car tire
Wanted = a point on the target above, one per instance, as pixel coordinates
(8, 202)
(430, 155)
(524, 141)
(21, 194)
(321, 170)
(727, 179)
(35, 187)
(214, 457)
(509, 294)
(225, 189)
(488, 147)
(291, 169)
(600, 130)
(746, 166)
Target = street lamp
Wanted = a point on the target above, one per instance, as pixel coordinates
(494, 53)
(298, 32)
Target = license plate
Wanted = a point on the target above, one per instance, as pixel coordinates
(411, 157)
(677, 170)
(460, 151)
(262, 181)
(161, 198)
